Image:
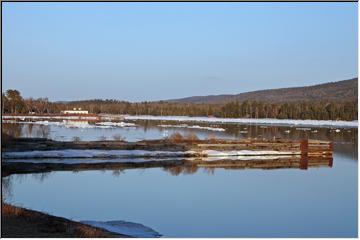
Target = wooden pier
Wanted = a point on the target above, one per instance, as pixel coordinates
(304, 148)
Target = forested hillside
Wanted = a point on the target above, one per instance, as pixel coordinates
(342, 91)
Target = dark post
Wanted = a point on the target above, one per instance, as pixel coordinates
(304, 162)
(330, 162)
(304, 148)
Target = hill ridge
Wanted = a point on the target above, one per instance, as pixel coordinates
(344, 90)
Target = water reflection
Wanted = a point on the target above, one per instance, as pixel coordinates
(26, 130)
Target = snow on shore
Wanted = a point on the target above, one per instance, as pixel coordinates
(192, 127)
(271, 121)
(126, 228)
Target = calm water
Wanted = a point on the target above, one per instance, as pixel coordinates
(317, 202)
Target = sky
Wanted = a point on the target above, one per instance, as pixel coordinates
(156, 51)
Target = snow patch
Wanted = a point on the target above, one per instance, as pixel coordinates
(214, 153)
(126, 228)
(241, 158)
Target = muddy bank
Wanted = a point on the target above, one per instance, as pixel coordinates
(20, 222)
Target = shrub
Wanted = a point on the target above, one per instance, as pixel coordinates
(211, 138)
(118, 137)
(102, 138)
(192, 137)
(176, 137)
(76, 139)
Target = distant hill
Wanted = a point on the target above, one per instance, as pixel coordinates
(341, 91)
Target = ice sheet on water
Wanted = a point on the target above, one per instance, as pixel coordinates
(126, 228)
(270, 121)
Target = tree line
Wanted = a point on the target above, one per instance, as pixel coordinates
(14, 103)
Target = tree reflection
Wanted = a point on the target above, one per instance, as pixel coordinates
(185, 169)
(12, 129)
(41, 176)
(6, 184)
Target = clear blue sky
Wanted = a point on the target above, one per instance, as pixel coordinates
(153, 51)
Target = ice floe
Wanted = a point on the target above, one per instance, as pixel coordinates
(116, 124)
(260, 121)
(192, 127)
(125, 228)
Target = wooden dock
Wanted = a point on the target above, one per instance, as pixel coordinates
(305, 148)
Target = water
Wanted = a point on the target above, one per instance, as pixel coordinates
(317, 202)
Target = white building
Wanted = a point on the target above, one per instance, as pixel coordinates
(75, 111)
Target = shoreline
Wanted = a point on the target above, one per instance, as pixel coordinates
(18, 222)
(255, 121)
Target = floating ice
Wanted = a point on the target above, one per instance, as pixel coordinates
(192, 127)
(117, 124)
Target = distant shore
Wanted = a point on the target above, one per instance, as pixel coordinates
(257, 121)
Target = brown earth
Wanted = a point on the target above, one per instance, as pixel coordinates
(19, 222)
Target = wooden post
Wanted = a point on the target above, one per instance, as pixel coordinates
(330, 162)
(304, 162)
(304, 148)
